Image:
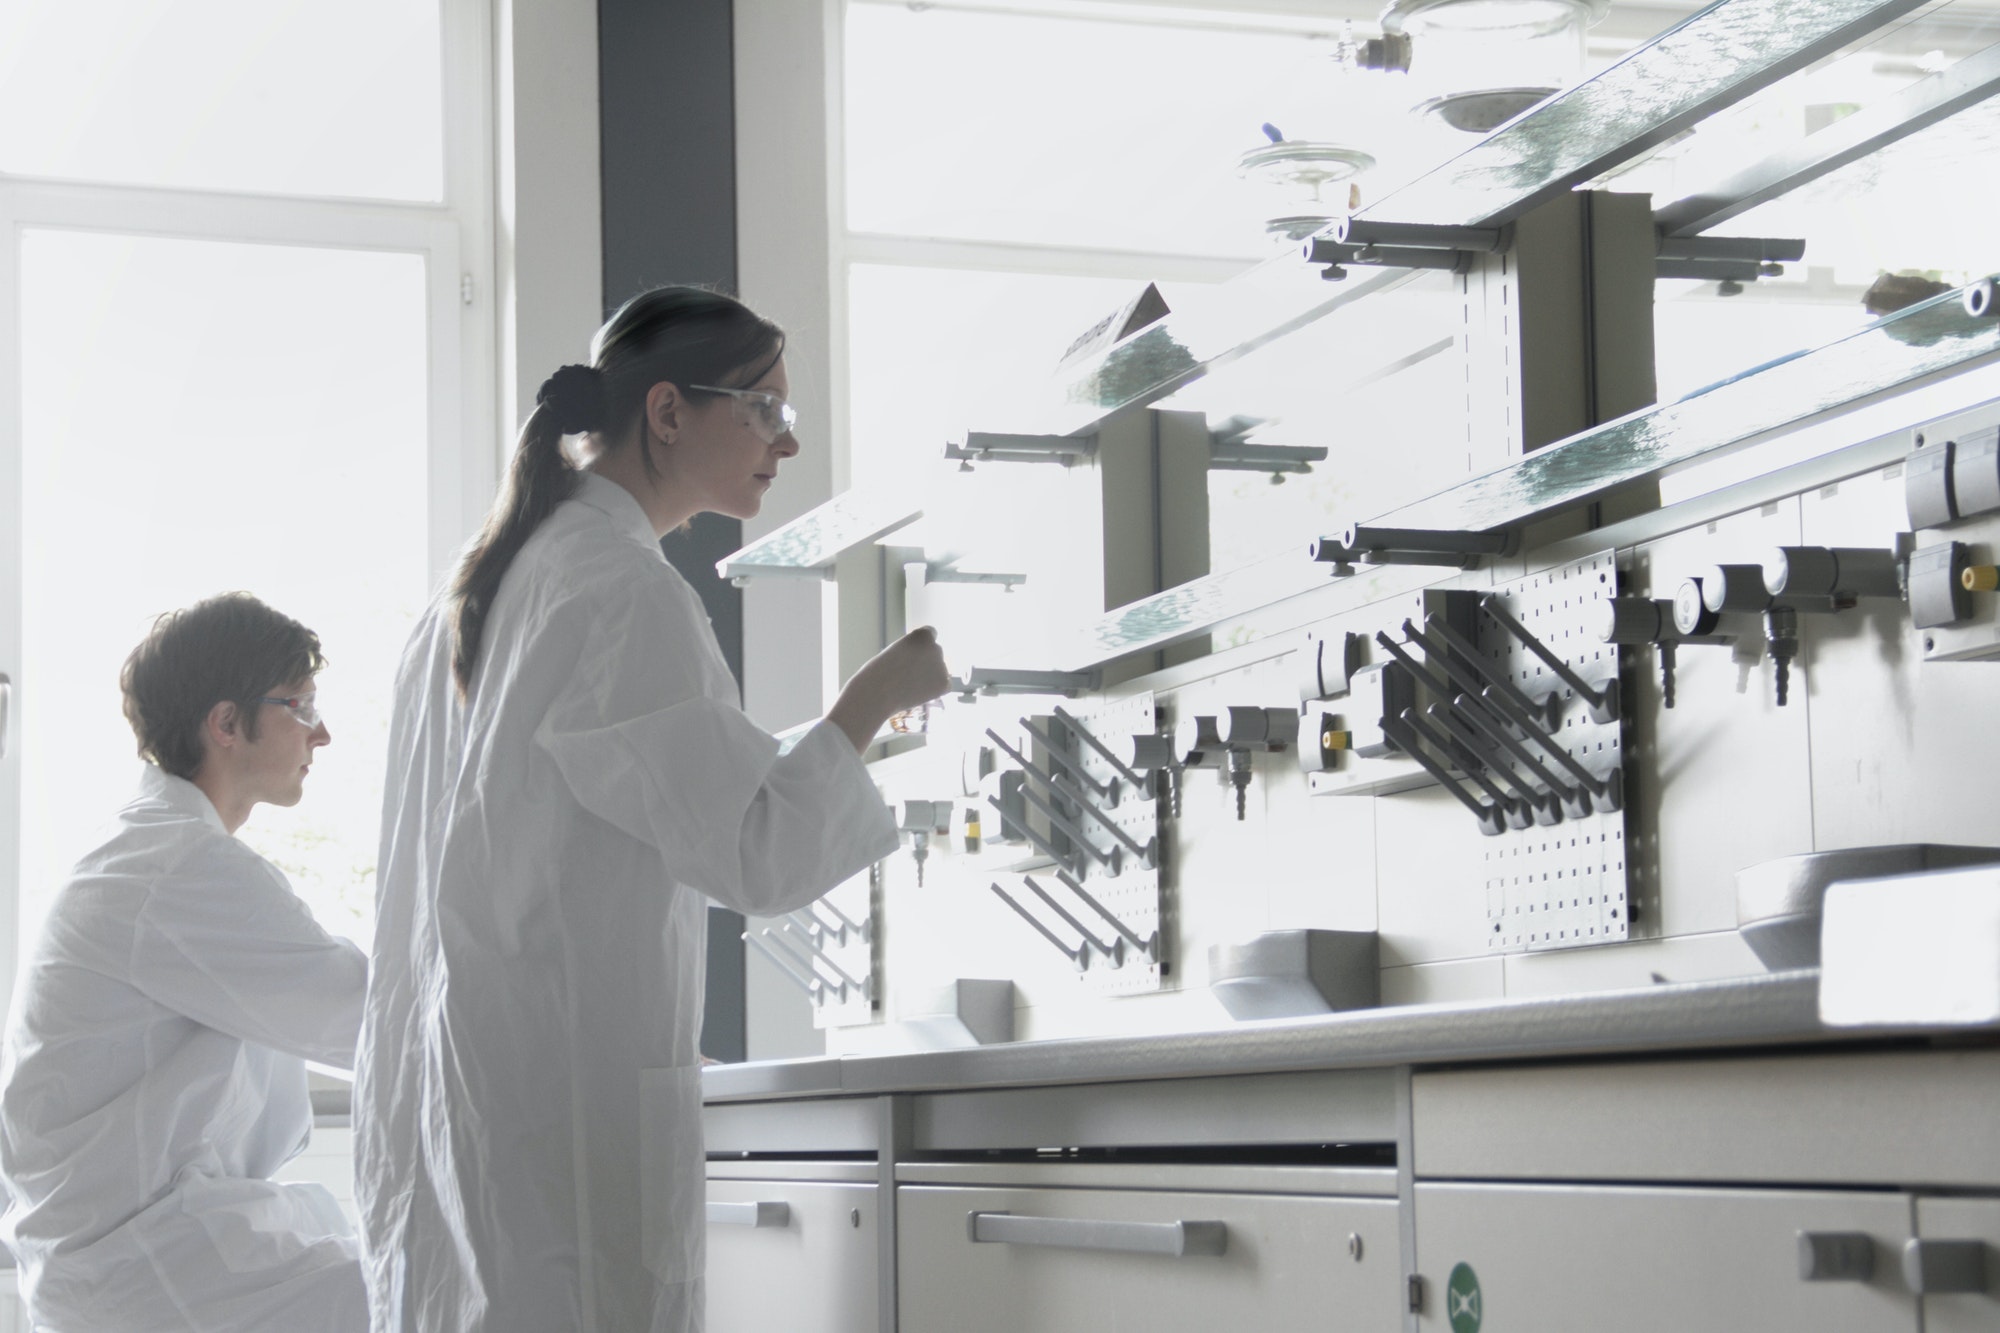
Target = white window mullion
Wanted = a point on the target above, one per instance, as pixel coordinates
(10, 586)
(203, 215)
(465, 340)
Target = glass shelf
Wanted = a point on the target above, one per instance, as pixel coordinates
(811, 542)
(1714, 58)
(1934, 337)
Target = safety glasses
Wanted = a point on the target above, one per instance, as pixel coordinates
(304, 707)
(761, 410)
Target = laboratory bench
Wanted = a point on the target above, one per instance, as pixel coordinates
(1688, 1156)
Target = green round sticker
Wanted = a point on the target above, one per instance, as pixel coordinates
(1462, 1304)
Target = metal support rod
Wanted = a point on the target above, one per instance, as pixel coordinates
(946, 574)
(1028, 766)
(1463, 679)
(1415, 722)
(843, 918)
(1365, 538)
(1069, 918)
(1741, 249)
(1109, 860)
(1491, 818)
(810, 961)
(1501, 701)
(1010, 680)
(1027, 830)
(821, 955)
(1413, 666)
(1492, 606)
(1512, 746)
(1150, 946)
(811, 985)
(1715, 270)
(1147, 851)
(1423, 235)
(1487, 753)
(1075, 955)
(1480, 667)
(1070, 766)
(987, 446)
(1234, 456)
(1594, 784)
(1064, 716)
(1323, 251)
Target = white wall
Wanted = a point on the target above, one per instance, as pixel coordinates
(549, 252)
(789, 221)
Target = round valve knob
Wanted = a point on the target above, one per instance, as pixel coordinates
(1734, 588)
(1691, 613)
(1248, 727)
(1148, 751)
(1633, 620)
(1197, 744)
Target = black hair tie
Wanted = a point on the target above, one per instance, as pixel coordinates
(575, 394)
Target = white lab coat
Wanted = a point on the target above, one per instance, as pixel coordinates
(529, 1096)
(154, 1078)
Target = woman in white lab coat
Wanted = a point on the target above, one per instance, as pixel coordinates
(571, 779)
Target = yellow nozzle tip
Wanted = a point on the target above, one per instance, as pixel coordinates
(1331, 739)
(1980, 578)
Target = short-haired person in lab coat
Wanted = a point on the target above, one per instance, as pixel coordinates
(571, 781)
(154, 1073)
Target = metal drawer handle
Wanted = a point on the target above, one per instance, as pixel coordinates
(1176, 1239)
(1836, 1256)
(768, 1214)
(1938, 1267)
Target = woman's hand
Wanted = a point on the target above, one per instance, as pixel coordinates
(907, 673)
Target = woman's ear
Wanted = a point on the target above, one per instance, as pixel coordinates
(664, 406)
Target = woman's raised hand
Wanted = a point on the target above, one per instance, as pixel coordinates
(907, 673)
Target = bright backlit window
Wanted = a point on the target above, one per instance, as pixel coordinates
(269, 96)
(187, 433)
(225, 364)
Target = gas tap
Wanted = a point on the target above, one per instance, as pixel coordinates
(1228, 742)
(923, 820)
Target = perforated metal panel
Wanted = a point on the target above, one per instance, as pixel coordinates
(1132, 892)
(1562, 886)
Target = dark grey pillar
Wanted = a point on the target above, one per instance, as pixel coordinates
(666, 95)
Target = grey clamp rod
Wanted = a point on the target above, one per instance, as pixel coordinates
(1177, 1240)
(764, 1213)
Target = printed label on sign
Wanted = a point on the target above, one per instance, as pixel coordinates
(1462, 1304)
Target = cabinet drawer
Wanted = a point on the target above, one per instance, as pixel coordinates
(809, 1268)
(1086, 1260)
(1582, 1259)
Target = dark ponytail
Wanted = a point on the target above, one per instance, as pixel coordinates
(682, 335)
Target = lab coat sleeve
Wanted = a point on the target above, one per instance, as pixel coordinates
(222, 939)
(642, 744)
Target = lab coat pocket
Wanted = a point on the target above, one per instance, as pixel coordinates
(673, 1173)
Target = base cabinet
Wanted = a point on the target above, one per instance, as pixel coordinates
(795, 1255)
(1583, 1259)
(1087, 1260)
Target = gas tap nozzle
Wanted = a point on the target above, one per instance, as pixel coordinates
(922, 820)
